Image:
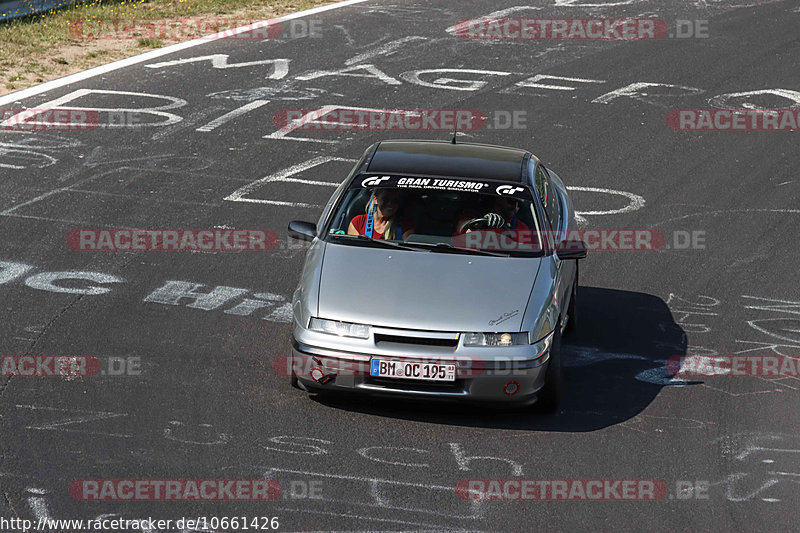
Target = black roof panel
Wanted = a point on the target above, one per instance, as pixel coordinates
(441, 158)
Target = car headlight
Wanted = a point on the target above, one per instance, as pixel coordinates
(342, 329)
(541, 346)
(495, 339)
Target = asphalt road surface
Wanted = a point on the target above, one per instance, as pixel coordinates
(200, 398)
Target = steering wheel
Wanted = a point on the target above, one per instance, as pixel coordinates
(475, 223)
(481, 223)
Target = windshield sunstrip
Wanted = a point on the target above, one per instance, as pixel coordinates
(505, 189)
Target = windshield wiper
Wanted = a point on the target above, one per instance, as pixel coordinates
(449, 248)
(417, 246)
(363, 239)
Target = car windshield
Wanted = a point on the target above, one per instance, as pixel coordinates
(444, 215)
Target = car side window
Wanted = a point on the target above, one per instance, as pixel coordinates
(548, 196)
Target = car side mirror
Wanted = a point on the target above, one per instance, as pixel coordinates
(305, 231)
(571, 250)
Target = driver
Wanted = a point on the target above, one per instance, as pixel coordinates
(384, 217)
(502, 215)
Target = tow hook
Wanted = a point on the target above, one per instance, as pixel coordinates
(318, 373)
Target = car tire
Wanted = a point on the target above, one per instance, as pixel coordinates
(550, 395)
(572, 309)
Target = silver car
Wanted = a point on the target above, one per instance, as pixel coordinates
(439, 271)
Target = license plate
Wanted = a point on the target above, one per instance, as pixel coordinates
(386, 368)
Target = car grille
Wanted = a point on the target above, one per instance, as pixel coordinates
(422, 341)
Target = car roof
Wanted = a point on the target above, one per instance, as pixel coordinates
(442, 158)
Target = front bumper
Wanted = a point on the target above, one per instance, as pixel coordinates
(479, 379)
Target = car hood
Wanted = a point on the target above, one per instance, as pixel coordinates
(425, 290)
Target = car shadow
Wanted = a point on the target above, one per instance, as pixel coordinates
(614, 364)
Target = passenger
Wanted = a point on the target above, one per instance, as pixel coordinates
(387, 220)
